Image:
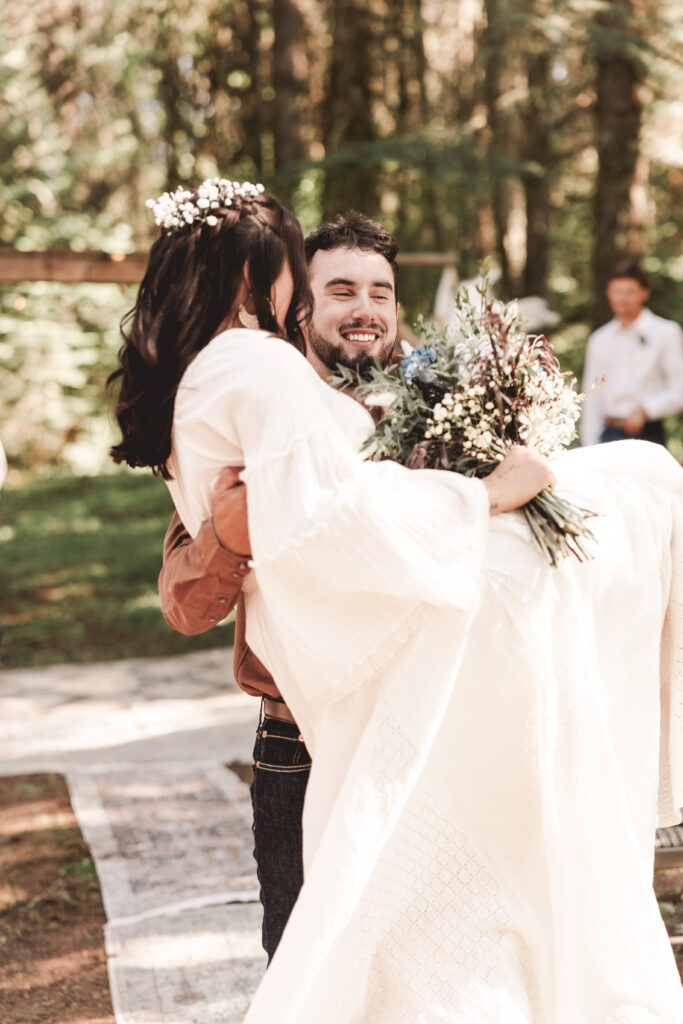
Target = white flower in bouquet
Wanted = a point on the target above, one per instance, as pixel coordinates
(380, 399)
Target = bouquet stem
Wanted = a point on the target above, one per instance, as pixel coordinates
(558, 527)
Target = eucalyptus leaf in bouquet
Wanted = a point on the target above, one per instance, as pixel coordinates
(476, 387)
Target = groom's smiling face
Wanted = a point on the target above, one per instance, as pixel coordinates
(354, 309)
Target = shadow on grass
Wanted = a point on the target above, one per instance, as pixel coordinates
(79, 560)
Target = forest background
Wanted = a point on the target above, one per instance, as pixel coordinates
(546, 135)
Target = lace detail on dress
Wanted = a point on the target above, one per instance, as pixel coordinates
(436, 937)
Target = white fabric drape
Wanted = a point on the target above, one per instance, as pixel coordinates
(491, 738)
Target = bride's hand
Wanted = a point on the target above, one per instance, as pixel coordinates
(229, 512)
(521, 475)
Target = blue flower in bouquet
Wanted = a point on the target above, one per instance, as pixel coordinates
(417, 365)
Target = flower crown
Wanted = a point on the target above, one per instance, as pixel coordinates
(182, 208)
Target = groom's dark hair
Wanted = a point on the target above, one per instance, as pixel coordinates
(354, 231)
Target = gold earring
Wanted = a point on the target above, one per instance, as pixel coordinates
(249, 320)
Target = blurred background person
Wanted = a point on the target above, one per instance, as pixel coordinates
(639, 357)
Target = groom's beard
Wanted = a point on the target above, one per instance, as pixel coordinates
(333, 354)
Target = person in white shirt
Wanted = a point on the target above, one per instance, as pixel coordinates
(640, 357)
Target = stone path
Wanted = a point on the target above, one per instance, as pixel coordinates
(144, 747)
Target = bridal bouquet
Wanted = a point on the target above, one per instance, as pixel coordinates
(476, 387)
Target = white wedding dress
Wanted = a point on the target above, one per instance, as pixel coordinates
(494, 741)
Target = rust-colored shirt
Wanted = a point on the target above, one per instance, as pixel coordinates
(200, 583)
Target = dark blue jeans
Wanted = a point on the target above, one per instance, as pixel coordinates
(652, 431)
(281, 769)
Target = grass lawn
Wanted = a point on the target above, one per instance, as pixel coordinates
(79, 560)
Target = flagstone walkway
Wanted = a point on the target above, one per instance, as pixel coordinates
(144, 747)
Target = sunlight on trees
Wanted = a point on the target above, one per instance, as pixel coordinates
(548, 134)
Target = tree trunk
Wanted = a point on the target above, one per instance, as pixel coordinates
(413, 114)
(494, 48)
(618, 118)
(251, 108)
(235, 126)
(537, 152)
(413, 108)
(349, 116)
(288, 27)
(170, 94)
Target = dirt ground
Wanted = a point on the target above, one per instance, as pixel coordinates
(669, 890)
(52, 959)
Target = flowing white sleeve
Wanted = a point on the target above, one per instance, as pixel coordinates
(348, 581)
(346, 553)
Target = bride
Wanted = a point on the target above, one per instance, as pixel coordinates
(494, 741)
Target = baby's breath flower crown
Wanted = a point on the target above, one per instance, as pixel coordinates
(475, 388)
(174, 211)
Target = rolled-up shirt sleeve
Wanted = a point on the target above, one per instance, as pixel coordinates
(200, 580)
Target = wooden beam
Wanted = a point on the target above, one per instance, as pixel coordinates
(426, 259)
(124, 268)
(72, 267)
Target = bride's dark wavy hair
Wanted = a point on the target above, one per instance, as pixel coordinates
(189, 289)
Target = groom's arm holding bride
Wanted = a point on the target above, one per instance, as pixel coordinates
(201, 579)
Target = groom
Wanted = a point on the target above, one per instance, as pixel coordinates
(352, 273)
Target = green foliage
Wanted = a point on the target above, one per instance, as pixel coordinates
(80, 560)
(105, 104)
(57, 346)
(81, 871)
